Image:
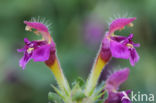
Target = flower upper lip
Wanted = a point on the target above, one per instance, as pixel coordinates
(40, 29)
(36, 25)
(120, 24)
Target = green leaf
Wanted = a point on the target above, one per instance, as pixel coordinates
(92, 91)
(59, 92)
(99, 88)
(54, 97)
(105, 96)
(79, 95)
(79, 81)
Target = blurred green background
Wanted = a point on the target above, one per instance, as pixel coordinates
(77, 28)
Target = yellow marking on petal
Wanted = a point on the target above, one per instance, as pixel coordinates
(130, 45)
(30, 49)
(28, 28)
(112, 34)
(130, 24)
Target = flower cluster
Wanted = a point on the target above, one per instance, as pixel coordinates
(112, 46)
(118, 47)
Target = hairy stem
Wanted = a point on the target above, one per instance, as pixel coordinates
(94, 75)
(59, 76)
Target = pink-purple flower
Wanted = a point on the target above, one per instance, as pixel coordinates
(112, 86)
(120, 46)
(124, 47)
(38, 50)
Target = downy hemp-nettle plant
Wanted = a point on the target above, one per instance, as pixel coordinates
(112, 45)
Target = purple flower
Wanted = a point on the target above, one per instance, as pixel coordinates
(38, 50)
(123, 47)
(44, 51)
(112, 85)
(120, 46)
(116, 79)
